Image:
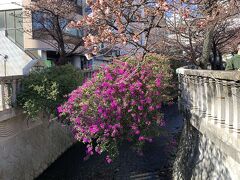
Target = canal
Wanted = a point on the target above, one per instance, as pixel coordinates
(155, 163)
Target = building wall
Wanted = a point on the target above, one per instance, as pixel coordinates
(29, 42)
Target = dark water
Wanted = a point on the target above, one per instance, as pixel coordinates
(156, 162)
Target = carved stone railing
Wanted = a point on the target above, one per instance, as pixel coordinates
(9, 87)
(212, 95)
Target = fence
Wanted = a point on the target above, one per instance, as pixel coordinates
(214, 95)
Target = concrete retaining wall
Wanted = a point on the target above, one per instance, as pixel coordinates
(206, 152)
(28, 147)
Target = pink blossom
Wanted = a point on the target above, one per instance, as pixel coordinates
(85, 107)
(134, 127)
(105, 84)
(158, 82)
(89, 150)
(132, 88)
(122, 87)
(86, 140)
(138, 84)
(148, 123)
(93, 129)
(60, 109)
(114, 133)
(108, 159)
(137, 132)
(162, 123)
(148, 100)
(109, 77)
(133, 103)
(158, 106)
(100, 110)
(133, 115)
(140, 108)
(77, 120)
(98, 150)
(119, 110)
(120, 71)
(141, 138)
(113, 104)
(151, 108)
(102, 125)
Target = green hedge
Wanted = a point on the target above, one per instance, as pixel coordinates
(43, 91)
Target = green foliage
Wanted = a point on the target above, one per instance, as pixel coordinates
(43, 91)
(170, 89)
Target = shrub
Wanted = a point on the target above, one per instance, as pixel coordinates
(43, 91)
(121, 102)
(168, 67)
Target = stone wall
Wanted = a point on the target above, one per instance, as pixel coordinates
(210, 143)
(28, 147)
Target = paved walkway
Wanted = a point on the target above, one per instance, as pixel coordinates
(154, 164)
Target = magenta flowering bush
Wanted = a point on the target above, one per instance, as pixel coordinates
(120, 102)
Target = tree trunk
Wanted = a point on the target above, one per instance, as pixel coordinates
(207, 47)
(63, 59)
(214, 60)
(220, 61)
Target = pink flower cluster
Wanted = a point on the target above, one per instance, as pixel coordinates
(119, 103)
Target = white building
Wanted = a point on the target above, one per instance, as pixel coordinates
(13, 59)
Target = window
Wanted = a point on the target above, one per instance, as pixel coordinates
(10, 25)
(2, 20)
(12, 22)
(40, 21)
(19, 27)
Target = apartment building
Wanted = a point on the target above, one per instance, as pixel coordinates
(22, 50)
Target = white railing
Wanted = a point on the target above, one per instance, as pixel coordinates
(9, 87)
(213, 95)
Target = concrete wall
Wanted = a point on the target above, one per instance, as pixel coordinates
(206, 152)
(28, 147)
